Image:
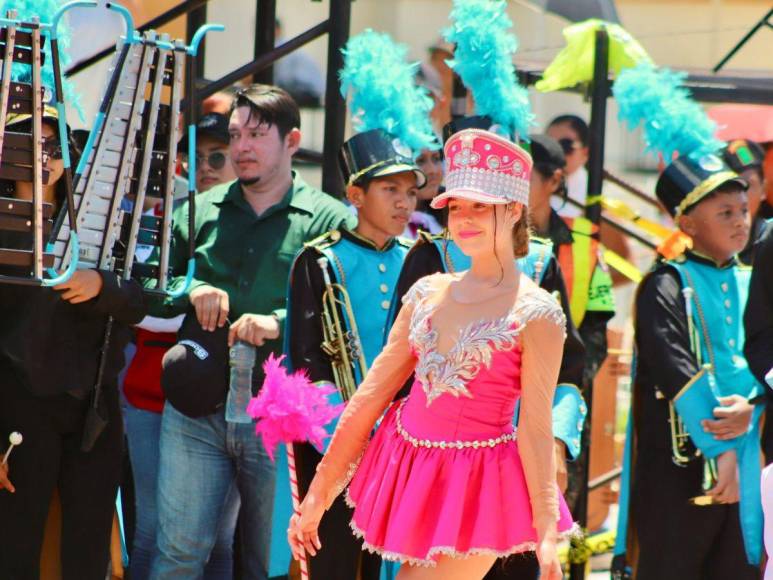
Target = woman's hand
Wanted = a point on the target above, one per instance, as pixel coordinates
(549, 565)
(303, 533)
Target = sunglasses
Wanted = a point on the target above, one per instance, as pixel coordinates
(52, 148)
(215, 160)
(569, 145)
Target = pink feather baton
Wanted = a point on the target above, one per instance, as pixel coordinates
(291, 409)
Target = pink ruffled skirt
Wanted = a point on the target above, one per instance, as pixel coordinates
(413, 503)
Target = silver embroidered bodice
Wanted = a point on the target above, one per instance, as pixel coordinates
(476, 342)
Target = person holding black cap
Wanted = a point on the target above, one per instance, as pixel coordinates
(142, 386)
(246, 234)
(695, 446)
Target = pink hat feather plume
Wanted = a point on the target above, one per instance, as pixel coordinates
(290, 408)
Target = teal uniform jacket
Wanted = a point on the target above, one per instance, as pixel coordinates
(689, 342)
(369, 276)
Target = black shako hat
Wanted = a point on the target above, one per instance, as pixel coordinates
(376, 153)
(194, 375)
(686, 181)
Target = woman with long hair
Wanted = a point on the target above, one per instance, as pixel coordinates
(446, 485)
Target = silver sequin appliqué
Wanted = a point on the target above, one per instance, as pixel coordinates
(477, 342)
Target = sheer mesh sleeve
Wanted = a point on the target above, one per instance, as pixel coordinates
(389, 372)
(542, 339)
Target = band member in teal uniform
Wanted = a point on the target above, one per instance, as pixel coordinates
(341, 284)
(693, 464)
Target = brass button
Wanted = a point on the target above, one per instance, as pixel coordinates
(385, 305)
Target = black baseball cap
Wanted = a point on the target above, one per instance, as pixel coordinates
(212, 125)
(742, 154)
(547, 151)
(194, 375)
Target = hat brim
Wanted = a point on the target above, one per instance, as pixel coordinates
(421, 179)
(442, 200)
(182, 146)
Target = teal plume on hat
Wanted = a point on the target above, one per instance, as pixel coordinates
(45, 11)
(384, 93)
(657, 100)
(483, 58)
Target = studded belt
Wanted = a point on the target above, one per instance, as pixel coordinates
(475, 444)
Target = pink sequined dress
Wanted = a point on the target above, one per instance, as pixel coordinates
(445, 472)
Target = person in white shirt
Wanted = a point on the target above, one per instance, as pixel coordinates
(571, 132)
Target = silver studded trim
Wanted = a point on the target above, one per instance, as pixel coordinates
(493, 442)
(488, 181)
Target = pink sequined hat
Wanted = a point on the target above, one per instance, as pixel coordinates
(482, 166)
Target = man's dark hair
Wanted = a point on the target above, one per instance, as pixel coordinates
(269, 105)
(577, 124)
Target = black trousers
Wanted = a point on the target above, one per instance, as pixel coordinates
(677, 540)
(342, 554)
(517, 567)
(50, 457)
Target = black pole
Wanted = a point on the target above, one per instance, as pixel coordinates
(195, 20)
(764, 21)
(193, 118)
(598, 122)
(335, 104)
(265, 26)
(263, 61)
(598, 117)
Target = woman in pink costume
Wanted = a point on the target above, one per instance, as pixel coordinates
(445, 485)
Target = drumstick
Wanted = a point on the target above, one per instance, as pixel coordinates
(296, 502)
(14, 439)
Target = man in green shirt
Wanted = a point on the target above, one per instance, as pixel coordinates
(247, 233)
